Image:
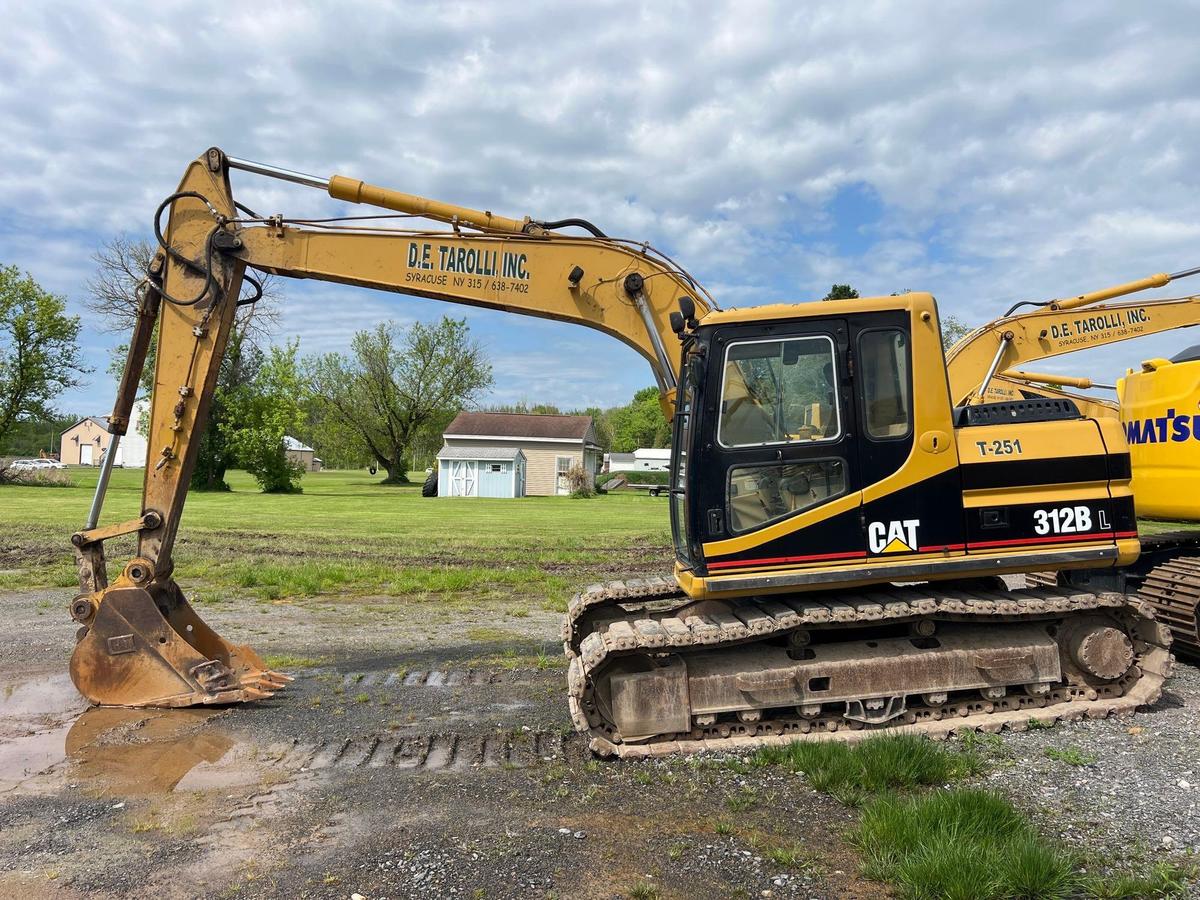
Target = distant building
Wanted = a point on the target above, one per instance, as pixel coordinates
(533, 453)
(481, 472)
(644, 459)
(618, 462)
(85, 442)
(132, 450)
(300, 454)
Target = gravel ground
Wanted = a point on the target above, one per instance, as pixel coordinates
(415, 762)
(1126, 783)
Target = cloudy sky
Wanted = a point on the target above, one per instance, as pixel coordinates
(986, 152)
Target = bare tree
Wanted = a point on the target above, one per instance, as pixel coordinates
(121, 264)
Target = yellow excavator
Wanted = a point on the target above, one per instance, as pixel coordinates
(841, 511)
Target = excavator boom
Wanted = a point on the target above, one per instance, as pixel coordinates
(142, 643)
(1018, 340)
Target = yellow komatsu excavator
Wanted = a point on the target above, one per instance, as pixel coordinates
(1156, 405)
(840, 516)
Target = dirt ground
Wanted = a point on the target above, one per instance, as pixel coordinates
(411, 761)
(427, 752)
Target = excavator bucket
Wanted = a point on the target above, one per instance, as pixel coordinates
(135, 651)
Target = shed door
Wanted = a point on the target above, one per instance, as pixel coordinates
(462, 478)
(85, 454)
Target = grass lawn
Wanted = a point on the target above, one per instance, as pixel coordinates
(346, 533)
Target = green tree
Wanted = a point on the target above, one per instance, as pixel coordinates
(398, 386)
(339, 445)
(841, 292)
(266, 408)
(216, 455)
(39, 349)
(639, 424)
(954, 329)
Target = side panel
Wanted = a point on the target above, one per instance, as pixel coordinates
(495, 479)
(1040, 484)
(911, 488)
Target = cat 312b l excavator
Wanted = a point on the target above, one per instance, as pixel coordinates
(839, 524)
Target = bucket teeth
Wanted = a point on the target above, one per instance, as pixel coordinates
(253, 693)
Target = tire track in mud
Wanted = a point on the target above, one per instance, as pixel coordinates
(433, 678)
(441, 751)
(248, 835)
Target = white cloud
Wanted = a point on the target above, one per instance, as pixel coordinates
(1013, 151)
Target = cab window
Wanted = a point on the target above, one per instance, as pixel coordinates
(763, 493)
(779, 392)
(883, 363)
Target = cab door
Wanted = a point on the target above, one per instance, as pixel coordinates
(780, 482)
(912, 504)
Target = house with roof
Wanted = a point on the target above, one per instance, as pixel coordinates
(300, 454)
(643, 459)
(514, 454)
(86, 442)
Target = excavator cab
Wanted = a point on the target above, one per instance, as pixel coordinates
(816, 445)
(805, 426)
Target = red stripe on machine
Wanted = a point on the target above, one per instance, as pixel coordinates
(856, 554)
(1050, 539)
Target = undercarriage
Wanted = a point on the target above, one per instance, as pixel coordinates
(653, 672)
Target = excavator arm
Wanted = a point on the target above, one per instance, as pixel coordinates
(140, 642)
(987, 357)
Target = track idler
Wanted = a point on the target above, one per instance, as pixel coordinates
(142, 644)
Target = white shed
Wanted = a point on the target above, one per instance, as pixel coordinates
(481, 472)
(652, 459)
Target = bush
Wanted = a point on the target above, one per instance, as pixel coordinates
(662, 479)
(262, 454)
(889, 762)
(961, 843)
(579, 480)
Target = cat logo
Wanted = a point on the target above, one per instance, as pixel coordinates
(893, 537)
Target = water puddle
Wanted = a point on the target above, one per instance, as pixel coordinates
(38, 705)
(49, 737)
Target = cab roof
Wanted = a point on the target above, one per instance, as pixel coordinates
(913, 301)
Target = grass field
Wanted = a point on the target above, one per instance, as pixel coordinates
(345, 533)
(350, 535)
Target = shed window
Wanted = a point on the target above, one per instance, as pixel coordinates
(496, 467)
